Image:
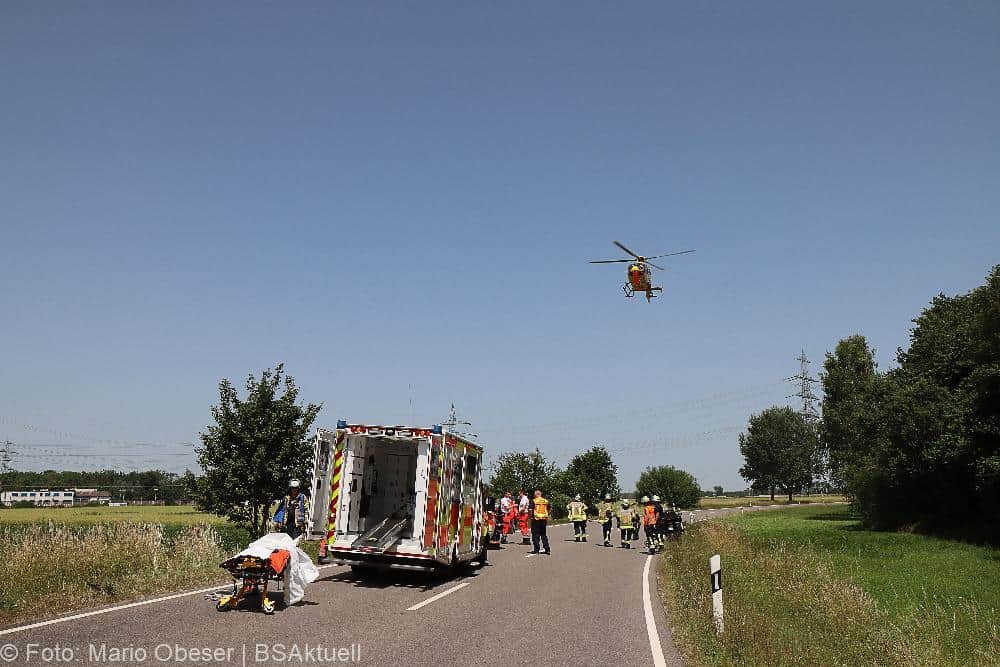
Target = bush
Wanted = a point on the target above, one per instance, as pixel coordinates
(558, 502)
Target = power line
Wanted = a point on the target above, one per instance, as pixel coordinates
(805, 392)
(5, 456)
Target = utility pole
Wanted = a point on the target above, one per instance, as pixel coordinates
(5, 458)
(805, 392)
(454, 421)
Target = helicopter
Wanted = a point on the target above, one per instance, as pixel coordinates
(640, 277)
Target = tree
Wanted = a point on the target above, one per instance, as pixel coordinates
(937, 464)
(780, 449)
(671, 484)
(718, 490)
(591, 474)
(523, 470)
(852, 389)
(254, 447)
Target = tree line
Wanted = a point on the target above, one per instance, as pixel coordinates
(915, 446)
(133, 485)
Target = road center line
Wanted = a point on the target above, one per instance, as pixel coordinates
(131, 605)
(647, 607)
(437, 597)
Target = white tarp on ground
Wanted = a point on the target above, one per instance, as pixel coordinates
(300, 570)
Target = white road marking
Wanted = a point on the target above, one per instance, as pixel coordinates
(528, 555)
(647, 607)
(437, 597)
(131, 605)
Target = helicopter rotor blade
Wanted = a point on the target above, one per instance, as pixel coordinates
(671, 254)
(609, 261)
(655, 266)
(626, 250)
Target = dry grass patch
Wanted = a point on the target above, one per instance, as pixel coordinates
(52, 568)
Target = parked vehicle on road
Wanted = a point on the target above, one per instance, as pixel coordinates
(397, 497)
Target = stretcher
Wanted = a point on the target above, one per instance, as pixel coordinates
(250, 576)
(273, 557)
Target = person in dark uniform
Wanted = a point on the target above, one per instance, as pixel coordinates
(290, 516)
(539, 523)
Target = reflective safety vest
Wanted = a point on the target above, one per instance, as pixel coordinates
(649, 515)
(541, 509)
(625, 517)
(577, 511)
(605, 512)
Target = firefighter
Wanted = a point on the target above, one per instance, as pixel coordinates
(636, 520)
(662, 524)
(649, 523)
(523, 512)
(577, 512)
(290, 515)
(605, 515)
(507, 514)
(539, 522)
(626, 524)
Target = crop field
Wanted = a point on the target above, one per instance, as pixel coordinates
(61, 559)
(809, 586)
(181, 514)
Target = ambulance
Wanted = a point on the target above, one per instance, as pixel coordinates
(397, 497)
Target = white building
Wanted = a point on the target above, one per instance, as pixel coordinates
(87, 496)
(40, 498)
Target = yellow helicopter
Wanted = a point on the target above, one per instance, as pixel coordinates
(640, 277)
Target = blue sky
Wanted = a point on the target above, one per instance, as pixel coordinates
(399, 200)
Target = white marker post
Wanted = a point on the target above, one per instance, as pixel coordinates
(715, 568)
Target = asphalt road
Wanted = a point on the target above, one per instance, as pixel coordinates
(584, 604)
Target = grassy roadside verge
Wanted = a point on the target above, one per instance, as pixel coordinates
(806, 586)
(52, 568)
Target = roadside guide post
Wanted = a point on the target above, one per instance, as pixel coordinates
(715, 568)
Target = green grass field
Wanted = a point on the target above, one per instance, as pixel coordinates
(722, 501)
(809, 586)
(186, 515)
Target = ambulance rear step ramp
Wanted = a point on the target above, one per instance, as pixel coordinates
(382, 536)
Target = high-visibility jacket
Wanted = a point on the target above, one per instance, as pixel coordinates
(541, 509)
(605, 512)
(649, 515)
(577, 511)
(625, 518)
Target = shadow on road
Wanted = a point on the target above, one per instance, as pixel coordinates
(422, 581)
